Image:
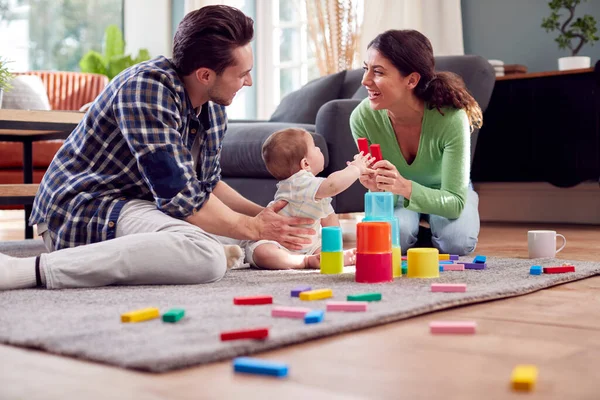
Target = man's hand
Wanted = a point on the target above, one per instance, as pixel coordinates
(272, 226)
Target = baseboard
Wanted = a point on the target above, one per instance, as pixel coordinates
(539, 202)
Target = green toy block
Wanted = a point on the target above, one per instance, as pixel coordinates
(365, 297)
(173, 315)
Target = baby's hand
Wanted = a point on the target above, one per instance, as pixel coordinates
(362, 162)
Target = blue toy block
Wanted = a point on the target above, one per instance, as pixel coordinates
(446, 262)
(536, 270)
(260, 367)
(479, 259)
(314, 316)
(441, 268)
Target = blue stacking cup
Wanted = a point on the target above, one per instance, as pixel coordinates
(331, 237)
(379, 205)
(395, 232)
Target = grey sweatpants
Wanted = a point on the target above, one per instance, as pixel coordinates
(150, 248)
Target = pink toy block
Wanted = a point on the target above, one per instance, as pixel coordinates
(454, 267)
(448, 287)
(347, 305)
(460, 327)
(289, 312)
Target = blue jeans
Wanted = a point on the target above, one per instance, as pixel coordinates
(449, 236)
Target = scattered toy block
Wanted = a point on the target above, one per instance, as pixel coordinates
(289, 312)
(404, 270)
(143, 314)
(479, 259)
(296, 292)
(364, 297)
(376, 152)
(535, 270)
(314, 317)
(443, 257)
(363, 145)
(404, 258)
(524, 377)
(317, 294)
(173, 315)
(260, 367)
(441, 268)
(446, 262)
(252, 300)
(559, 270)
(448, 287)
(255, 333)
(475, 265)
(453, 257)
(454, 267)
(450, 327)
(351, 306)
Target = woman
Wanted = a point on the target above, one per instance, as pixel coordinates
(423, 121)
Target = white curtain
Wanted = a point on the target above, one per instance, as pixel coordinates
(439, 20)
(191, 5)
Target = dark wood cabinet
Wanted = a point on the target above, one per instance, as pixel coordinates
(541, 127)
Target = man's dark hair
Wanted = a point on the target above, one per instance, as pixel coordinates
(206, 37)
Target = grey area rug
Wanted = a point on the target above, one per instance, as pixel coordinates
(85, 323)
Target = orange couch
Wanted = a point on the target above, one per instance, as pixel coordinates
(66, 91)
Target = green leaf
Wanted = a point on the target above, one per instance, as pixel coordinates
(93, 62)
(143, 55)
(117, 64)
(114, 45)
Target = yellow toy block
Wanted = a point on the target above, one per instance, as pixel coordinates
(140, 315)
(444, 257)
(523, 377)
(318, 294)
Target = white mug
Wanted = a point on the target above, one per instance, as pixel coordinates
(542, 244)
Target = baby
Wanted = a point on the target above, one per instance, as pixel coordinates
(293, 159)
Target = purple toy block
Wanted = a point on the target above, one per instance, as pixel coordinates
(296, 292)
(474, 265)
(453, 257)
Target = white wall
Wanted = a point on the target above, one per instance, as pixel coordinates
(148, 25)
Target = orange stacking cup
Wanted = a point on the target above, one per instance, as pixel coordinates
(373, 237)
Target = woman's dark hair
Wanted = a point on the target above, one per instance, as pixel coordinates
(206, 37)
(410, 51)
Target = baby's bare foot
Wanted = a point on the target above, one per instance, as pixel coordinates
(350, 257)
(312, 261)
(234, 255)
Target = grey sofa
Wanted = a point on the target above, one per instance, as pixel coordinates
(323, 107)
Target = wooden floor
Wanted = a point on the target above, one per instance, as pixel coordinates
(557, 329)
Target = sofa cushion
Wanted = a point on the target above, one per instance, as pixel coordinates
(28, 93)
(301, 106)
(242, 148)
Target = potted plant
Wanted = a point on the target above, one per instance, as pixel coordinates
(573, 34)
(114, 60)
(5, 78)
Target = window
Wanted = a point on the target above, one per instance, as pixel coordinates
(285, 59)
(54, 34)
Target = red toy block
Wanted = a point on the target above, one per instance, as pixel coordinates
(376, 152)
(363, 145)
(559, 270)
(252, 300)
(257, 333)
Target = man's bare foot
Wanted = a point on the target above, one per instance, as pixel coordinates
(350, 257)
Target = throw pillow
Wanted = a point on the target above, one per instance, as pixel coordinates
(302, 106)
(28, 93)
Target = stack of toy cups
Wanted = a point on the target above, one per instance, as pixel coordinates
(332, 251)
(423, 263)
(374, 252)
(379, 206)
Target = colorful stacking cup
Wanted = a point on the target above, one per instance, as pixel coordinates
(374, 252)
(379, 206)
(423, 263)
(331, 239)
(332, 250)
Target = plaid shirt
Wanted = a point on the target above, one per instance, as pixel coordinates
(135, 142)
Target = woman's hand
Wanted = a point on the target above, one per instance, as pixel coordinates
(389, 179)
(368, 180)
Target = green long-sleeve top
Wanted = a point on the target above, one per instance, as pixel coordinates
(441, 168)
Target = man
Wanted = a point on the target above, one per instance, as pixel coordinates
(138, 181)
